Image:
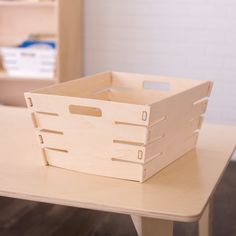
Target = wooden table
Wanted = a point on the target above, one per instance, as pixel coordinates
(180, 192)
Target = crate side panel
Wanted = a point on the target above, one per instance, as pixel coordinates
(137, 81)
(163, 126)
(179, 105)
(78, 135)
(171, 137)
(82, 87)
(166, 128)
(90, 146)
(128, 153)
(59, 129)
(164, 160)
(130, 133)
(117, 131)
(137, 96)
(113, 111)
(116, 169)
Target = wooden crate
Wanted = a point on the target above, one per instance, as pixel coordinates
(121, 125)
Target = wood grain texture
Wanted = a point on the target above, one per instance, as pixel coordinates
(93, 223)
(179, 192)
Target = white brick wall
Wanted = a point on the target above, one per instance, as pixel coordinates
(193, 39)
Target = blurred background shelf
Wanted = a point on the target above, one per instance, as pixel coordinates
(60, 18)
(6, 77)
(27, 4)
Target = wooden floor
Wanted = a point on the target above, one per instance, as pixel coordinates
(26, 218)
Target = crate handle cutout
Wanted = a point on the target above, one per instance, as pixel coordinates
(154, 85)
(85, 110)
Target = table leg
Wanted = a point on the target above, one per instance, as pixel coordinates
(152, 227)
(204, 225)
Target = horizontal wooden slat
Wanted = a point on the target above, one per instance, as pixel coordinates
(111, 111)
(79, 143)
(117, 169)
(78, 125)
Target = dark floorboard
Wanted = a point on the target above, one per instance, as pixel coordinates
(27, 218)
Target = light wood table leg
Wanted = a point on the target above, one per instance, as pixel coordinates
(204, 225)
(152, 227)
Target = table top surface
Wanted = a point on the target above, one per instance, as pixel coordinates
(179, 192)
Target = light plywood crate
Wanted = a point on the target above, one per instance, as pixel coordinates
(120, 125)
